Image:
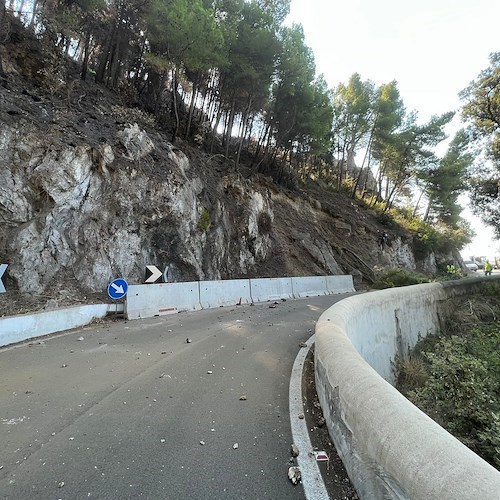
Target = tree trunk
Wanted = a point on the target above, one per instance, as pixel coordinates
(414, 213)
(105, 56)
(230, 124)
(21, 8)
(3, 38)
(216, 126)
(427, 211)
(174, 104)
(191, 110)
(367, 156)
(244, 130)
(86, 51)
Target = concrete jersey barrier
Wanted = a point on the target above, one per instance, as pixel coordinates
(263, 289)
(145, 301)
(390, 448)
(15, 329)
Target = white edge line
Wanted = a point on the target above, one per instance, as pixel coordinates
(312, 481)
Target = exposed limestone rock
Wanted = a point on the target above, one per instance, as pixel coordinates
(136, 142)
(77, 216)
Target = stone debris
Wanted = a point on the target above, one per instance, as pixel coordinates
(294, 474)
(80, 338)
(162, 440)
(209, 372)
(295, 450)
(60, 484)
(202, 443)
(64, 365)
(188, 341)
(235, 446)
(243, 397)
(303, 344)
(301, 416)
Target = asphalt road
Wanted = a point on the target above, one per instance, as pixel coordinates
(122, 410)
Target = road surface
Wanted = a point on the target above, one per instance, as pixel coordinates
(133, 409)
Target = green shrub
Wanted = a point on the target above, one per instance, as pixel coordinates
(204, 223)
(456, 380)
(398, 277)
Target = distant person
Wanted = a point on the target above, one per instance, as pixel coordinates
(487, 268)
(382, 238)
(450, 269)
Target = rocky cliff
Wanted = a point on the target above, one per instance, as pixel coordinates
(91, 190)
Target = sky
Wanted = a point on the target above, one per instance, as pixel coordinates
(432, 48)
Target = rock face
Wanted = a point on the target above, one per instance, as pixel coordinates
(76, 215)
(81, 207)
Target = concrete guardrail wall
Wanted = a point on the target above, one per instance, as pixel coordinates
(21, 327)
(390, 448)
(144, 301)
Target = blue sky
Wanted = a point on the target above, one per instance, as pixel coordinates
(433, 48)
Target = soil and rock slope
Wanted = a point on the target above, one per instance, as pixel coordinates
(91, 190)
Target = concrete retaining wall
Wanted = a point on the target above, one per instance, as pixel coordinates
(26, 326)
(144, 301)
(389, 447)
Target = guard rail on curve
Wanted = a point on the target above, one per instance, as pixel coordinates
(389, 447)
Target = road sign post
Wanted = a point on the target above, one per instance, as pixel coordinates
(117, 288)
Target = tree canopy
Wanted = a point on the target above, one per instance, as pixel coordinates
(481, 111)
(231, 74)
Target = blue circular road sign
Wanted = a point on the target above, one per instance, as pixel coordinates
(117, 288)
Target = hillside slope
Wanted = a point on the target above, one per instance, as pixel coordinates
(92, 190)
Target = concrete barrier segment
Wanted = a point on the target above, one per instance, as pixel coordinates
(389, 447)
(309, 286)
(145, 301)
(264, 289)
(339, 284)
(22, 327)
(224, 293)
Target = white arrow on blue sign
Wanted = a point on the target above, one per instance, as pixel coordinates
(117, 288)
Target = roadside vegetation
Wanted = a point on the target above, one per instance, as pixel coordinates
(454, 377)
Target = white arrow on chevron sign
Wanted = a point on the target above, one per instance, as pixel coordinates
(3, 267)
(154, 274)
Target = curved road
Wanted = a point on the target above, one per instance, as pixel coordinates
(121, 410)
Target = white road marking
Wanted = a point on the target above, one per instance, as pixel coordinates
(312, 481)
